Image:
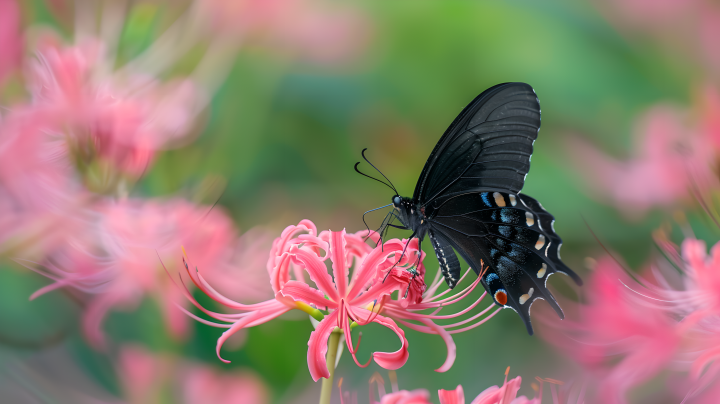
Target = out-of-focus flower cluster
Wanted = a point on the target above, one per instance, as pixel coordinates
(83, 120)
(633, 328)
(675, 156)
(90, 126)
(505, 394)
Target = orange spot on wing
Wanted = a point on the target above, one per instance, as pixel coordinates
(501, 297)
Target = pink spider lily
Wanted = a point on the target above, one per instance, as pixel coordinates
(505, 394)
(345, 299)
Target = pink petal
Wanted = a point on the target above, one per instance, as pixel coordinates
(456, 396)
(419, 396)
(339, 264)
(497, 395)
(303, 292)
(281, 244)
(447, 338)
(235, 328)
(318, 347)
(369, 267)
(392, 360)
(317, 270)
(693, 251)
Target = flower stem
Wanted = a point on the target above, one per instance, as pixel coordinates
(327, 384)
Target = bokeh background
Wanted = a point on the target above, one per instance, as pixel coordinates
(294, 90)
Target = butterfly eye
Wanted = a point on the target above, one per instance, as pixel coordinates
(397, 200)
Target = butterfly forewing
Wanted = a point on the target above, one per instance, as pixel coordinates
(487, 147)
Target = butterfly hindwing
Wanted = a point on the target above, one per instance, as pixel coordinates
(516, 240)
(488, 146)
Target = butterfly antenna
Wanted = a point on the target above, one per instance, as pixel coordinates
(373, 166)
(382, 182)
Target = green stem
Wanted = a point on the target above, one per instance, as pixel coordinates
(327, 384)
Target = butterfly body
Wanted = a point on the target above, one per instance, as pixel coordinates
(467, 200)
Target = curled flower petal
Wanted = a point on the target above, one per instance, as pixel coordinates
(392, 360)
(317, 347)
(447, 338)
(235, 328)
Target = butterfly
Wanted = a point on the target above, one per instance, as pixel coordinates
(468, 200)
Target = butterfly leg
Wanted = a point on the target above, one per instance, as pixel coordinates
(401, 256)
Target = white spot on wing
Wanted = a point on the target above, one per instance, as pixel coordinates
(542, 270)
(540, 242)
(529, 219)
(524, 298)
(513, 201)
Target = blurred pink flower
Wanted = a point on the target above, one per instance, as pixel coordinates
(624, 337)
(321, 32)
(121, 120)
(647, 14)
(116, 260)
(456, 396)
(698, 305)
(670, 158)
(419, 396)
(505, 394)
(40, 200)
(147, 377)
(11, 42)
(205, 385)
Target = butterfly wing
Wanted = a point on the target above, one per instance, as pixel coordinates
(513, 236)
(488, 146)
(447, 259)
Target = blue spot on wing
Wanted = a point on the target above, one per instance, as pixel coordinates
(486, 198)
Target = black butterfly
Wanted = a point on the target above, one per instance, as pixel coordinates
(468, 199)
